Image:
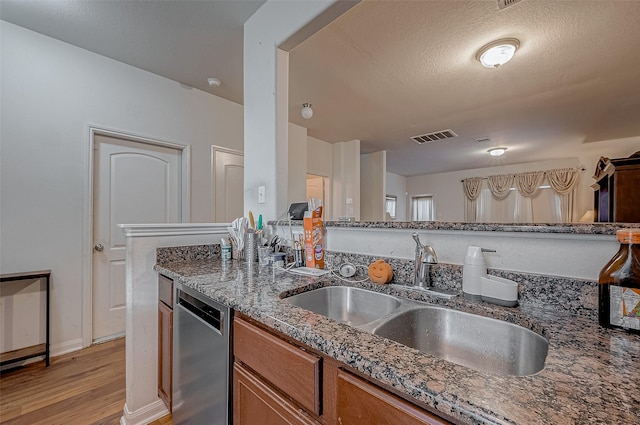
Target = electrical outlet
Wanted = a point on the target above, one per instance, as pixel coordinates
(261, 194)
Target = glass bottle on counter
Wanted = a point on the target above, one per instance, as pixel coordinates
(619, 285)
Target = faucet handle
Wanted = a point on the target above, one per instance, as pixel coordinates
(416, 238)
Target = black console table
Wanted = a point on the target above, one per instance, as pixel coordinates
(28, 352)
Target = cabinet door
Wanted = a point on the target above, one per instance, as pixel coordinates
(362, 403)
(626, 195)
(165, 353)
(294, 371)
(255, 403)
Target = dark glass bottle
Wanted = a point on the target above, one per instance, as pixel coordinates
(619, 285)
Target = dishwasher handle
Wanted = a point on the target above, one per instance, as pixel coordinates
(212, 316)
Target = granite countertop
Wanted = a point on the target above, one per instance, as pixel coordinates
(569, 228)
(592, 375)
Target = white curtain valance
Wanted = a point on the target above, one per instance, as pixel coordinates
(529, 183)
(563, 180)
(500, 185)
(472, 187)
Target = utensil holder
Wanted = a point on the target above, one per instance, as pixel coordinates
(250, 247)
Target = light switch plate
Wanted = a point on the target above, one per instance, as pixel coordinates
(261, 194)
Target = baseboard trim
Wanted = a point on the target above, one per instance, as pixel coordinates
(66, 347)
(108, 338)
(146, 414)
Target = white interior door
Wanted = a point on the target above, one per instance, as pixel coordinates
(228, 184)
(318, 187)
(315, 187)
(133, 183)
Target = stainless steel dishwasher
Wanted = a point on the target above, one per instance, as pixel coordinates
(201, 360)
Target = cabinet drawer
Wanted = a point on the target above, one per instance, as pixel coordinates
(165, 290)
(360, 402)
(294, 371)
(256, 403)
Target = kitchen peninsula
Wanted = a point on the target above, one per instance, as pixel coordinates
(582, 357)
(590, 374)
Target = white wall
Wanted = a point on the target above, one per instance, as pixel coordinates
(345, 187)
(319, 157)
(568, 255)
(297, 163)
(51, 93)
(397, 186)
(373, 168)
(266, 93)
(447, 188)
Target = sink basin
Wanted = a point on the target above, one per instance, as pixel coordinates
(352, 306)
(477, 342)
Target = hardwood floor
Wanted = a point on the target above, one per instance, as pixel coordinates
(86, 387)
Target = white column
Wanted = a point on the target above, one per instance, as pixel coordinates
(142, 404)
(266, 83)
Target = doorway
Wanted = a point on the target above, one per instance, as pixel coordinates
(227, 181)
(134, 181)
(318, 187)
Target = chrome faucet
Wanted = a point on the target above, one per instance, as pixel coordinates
(424, 258)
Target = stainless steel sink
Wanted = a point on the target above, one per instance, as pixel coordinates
(477, 342)
(469, 340)
(352, 306)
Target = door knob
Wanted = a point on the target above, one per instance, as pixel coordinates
(99, 247)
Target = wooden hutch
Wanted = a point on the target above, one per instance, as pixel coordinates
(617, 190)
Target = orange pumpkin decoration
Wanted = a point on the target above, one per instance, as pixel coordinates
(380, 272)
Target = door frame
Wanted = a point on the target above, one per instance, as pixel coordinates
(87, 211)
(214, 149)
(327, 212)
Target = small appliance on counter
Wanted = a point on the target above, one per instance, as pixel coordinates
(474, 268)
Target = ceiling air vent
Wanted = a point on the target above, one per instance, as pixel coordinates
(503, 4)
(435, 136)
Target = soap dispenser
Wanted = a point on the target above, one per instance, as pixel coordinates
(474, 268)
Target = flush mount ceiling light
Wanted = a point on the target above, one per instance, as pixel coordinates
(214, 82)
(306, 112)
(497, 151)
(497, 52)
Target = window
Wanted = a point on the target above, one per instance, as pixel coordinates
(422, 208)
(390, 203)
(546, 206)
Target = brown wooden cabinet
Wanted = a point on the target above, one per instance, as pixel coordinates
(165, 339)
(254, 402)
(292, 370)
(617, 190)
(279, 381)
(360, 402)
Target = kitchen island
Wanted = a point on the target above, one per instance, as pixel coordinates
(591, 374)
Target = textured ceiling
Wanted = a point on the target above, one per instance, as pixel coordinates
(388, 70)
(385, 71)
